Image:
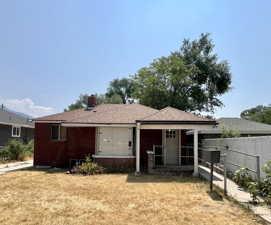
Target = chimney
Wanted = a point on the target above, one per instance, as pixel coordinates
(91, 102)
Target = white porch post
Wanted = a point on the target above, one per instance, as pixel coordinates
(196, 169)
(138, 148)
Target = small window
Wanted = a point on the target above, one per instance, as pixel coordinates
(16, 131)
(55, 132)
(170, 133)
(58, 133)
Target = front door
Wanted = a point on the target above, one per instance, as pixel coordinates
(171, 145)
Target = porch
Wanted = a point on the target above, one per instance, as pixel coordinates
(166, 150)
(167, 158)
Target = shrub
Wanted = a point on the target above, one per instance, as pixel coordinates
(260, 188)
(4, 154)
(29, 147)
(265, 184)
(88, 168)
(253, 189)
(267, 168)
(16, 150)
(267, 199)
(242, 177)
(229, 133)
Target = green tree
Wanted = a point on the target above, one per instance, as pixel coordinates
(259, 113)
(123, 87)
(190, 79)
(81, 102)
(113, 99)
(230, 133)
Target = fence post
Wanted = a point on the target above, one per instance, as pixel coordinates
(225, 170)
(225, 174)
(258, 167)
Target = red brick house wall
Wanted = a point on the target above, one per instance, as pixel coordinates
(122, 164)
(148, 138)
(80, 142)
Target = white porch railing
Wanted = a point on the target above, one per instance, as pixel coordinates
(184, 156)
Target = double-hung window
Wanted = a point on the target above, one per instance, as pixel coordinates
(58, 133)
(16, 131)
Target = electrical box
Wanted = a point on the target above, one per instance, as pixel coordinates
(212, 156)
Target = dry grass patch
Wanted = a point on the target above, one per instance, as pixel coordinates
(52, 197)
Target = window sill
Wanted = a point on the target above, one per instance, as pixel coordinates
(58, 140)
(114, 156)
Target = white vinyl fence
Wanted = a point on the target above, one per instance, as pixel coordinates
(243, 151)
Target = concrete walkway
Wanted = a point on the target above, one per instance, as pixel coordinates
(9, 167)
(237, 193)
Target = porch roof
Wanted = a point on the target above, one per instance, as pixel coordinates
(171, 115)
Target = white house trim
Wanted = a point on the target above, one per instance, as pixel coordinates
(196, 166)
(19, 131)
(175, 126)
(17, 124)
(47, 121)
(96, 125)
(138, 148)
(113, 156)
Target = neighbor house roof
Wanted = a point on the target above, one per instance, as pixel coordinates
(11, 118)
(124, 114)
(241, 125)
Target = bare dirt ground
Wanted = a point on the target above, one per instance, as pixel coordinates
(52, 197)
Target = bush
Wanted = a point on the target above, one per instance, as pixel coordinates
(229, 133)
(29, 147)
(88, 168)
(253, 189)
(260, 188)
(16, 150)
(267, 169)
(265, 184)
(242, 177)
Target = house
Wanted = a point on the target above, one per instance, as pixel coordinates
(119, 135)
(246, 128)
(14, 126)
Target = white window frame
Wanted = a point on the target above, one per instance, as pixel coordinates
(59, 133)
(16, 135)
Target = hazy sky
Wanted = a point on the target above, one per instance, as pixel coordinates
(51, 51)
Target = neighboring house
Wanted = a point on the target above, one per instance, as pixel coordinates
(119, 135)
(246, 128)
(14, 126)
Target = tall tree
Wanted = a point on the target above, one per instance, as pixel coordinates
(259, 113)
(122, 87)
(190, 79)
(81, 102)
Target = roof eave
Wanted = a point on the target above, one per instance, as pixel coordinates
(176, 122)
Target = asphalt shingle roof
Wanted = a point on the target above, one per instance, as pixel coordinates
(173, 114)
(122, 113)
(241, 125)
(11, 118)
